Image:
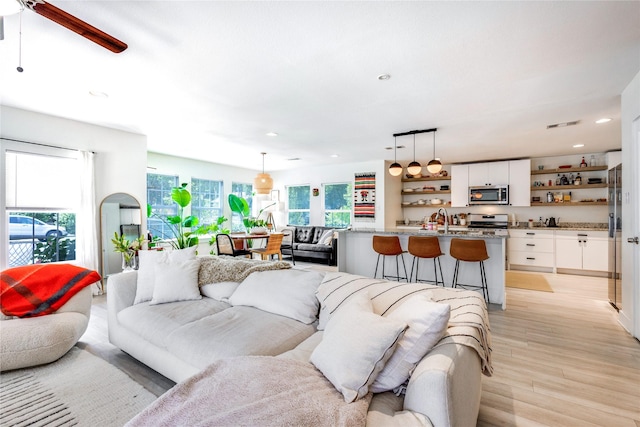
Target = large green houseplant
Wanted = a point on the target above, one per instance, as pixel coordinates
(185, 229)
(240, 206)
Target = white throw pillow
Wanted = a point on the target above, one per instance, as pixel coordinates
(289, 293)
(427, 322)
(355, 346)
(220, 291)
(146, 270)
(326, 238)
(176, 281)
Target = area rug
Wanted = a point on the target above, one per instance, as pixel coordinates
(531, 281)
(79, 389)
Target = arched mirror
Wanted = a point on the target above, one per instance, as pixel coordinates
(119, 213)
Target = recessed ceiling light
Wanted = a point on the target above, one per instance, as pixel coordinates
(384, 77)
(603, 120)
(293, 159)
(272, 134)
(335, 155)
(578, 145)
(98, 94)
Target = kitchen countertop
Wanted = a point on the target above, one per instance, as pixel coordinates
(454, 231)
(569, 226)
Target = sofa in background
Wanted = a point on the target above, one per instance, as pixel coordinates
(315, 243)
(262, 316)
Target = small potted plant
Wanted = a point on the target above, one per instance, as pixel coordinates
(128, 249)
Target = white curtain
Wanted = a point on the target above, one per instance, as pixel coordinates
(86, 230)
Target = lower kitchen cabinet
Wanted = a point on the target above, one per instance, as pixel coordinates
(531, 248)
(582, 250)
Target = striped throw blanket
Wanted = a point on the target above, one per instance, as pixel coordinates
(40, 289)
(468, 324)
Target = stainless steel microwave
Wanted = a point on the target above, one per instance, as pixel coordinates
(489, 195)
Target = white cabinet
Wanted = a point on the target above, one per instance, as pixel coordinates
(582, 250)
(520, 182)
(531, 248)
(490, 173)
(459, 186)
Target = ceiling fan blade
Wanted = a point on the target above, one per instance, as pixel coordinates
(76, 25)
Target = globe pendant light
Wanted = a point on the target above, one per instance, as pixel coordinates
(395, 169)
(414, 167)
(434, 165)
(262, 183)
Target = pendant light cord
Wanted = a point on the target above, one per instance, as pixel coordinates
(20, 69)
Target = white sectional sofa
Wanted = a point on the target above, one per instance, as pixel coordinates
(179, 339)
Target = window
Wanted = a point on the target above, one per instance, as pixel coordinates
(41, 212)
(337, 205)
(245, 191)
(298, 198)
(206, 200)
(159, 198)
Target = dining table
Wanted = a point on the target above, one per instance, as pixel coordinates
(240, 239)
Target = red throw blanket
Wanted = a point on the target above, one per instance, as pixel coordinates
(40, 289)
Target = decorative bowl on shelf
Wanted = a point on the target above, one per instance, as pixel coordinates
(436, 201)
(408, 190)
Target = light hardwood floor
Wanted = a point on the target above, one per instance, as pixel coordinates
(560, 359)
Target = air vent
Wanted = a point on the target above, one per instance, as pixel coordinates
(563, 125)
(293, 159)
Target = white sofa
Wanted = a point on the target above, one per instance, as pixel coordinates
(179, 339)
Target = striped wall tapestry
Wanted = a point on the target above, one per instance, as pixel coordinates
(364, 197)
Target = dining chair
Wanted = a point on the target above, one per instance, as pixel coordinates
(287, 244)
(273, 247)
(225, 246)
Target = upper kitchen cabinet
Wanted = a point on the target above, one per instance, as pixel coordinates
(519, 182)
(490, 173)
(459, 186)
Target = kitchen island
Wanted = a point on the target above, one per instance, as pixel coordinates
(356, 256)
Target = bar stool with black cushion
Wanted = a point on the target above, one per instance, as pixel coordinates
(287, 244)
(470, 250)
(425, 247)
(272, 248)
(389, 246)
(226, 246)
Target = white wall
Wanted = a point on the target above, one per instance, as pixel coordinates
(630, 116)
(315, 177)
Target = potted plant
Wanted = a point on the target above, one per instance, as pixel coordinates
(128, 249)
(241, 206)
(182, 227)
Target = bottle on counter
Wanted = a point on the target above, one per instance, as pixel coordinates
(564, 180)
(558, 180)
(583, 163)
(572, 179)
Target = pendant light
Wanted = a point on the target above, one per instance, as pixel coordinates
(262, 183)
(434, 165)
(414, 167)
(395, 169)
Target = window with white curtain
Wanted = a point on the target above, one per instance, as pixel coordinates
(42, 194)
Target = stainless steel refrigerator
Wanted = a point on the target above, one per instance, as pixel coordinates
(615, 236)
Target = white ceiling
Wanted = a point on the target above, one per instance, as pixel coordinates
(209, 79)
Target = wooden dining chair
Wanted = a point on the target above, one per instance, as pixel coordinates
(272, 248)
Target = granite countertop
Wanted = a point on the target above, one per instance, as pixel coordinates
(453, 232)
(566, 226)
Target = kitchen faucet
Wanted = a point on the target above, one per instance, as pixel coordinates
(446, 218)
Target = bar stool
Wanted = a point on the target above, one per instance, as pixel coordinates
(470, 250)
(389, 246)
(425, 247)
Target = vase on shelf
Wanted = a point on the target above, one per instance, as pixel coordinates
(129, 261)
